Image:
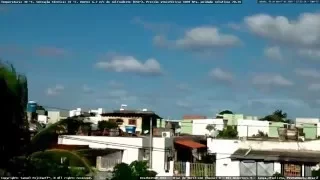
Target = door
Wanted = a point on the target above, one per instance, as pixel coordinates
(252, 168)
(248, 168)
(265, 168)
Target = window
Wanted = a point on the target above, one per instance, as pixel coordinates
(291, 170)
(119, 121)
(132, 122)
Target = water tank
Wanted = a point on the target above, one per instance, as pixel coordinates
(131, 129)
(32, 107)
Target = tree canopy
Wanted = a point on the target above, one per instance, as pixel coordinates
(21, 156)
(225, 112)
(276, 116)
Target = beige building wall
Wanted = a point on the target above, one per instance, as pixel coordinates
(126, 121)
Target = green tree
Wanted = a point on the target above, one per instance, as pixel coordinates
(102, 125)
(133, 171)
(14, 93)
(18, 154)
(225, 112)
(276, 116)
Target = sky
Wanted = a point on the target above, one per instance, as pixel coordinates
(172, 59)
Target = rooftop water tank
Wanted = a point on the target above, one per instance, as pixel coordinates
(32, 107)
(131, 129)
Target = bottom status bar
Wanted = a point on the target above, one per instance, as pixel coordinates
(121, 2)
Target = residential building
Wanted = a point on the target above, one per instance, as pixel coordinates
(264, 158)
(311, 127)
(249, 128)
(131, 118)
(233, 118)
(199, 125)
(187, 123)
(56, 115)
(75, 112)
(126, 149)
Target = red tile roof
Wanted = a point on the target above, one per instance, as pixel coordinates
(190, 144)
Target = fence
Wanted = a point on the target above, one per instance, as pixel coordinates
(194, 169)
(255, 128)
(202, 169)
(105, 164)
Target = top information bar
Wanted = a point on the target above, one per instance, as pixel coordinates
(121, 2)
(288, 1)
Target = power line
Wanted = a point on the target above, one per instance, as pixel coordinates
(115, 144)
(136, 147)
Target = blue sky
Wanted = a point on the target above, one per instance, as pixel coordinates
(173, 59)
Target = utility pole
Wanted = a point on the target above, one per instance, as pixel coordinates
(151, 144)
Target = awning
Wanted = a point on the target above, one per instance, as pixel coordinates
(277, 155)
(190, 144)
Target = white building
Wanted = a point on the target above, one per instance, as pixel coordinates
(43, 119)
(98, 111)
(264, 158)
(199, 125)
(129, 148)
(248, 127)
(300, 121)
(75, 112)
(245, 127)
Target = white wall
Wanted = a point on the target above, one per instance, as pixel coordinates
(249, 128)
(224, 149)
(199, 125)
(300, 121)
(129, 145)
(75, 112)
(95, 119)
(97, 111)
(43, 119)
(53, 116)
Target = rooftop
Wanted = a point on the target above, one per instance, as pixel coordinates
(131, 113)
(277, 155)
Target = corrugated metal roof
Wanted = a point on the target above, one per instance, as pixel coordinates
(277, 155)
(190, 144)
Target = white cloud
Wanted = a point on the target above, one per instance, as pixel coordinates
(55, 90)
(302, 32)
(221, 75)
(200, 39)
(271, 80)
(310, 73)
(277, 101)
(206, 38)
(130, 64)
(273, 53)
(314, 87)
(310, 53)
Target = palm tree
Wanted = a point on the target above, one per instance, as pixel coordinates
(16, 148)
(14, 93)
